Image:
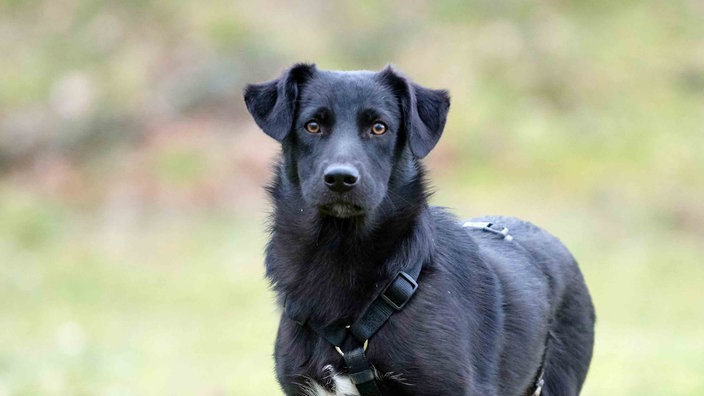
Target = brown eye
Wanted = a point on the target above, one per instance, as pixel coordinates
(312, 127)
(378, 128)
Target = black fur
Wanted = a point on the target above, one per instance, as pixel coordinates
(485, 307)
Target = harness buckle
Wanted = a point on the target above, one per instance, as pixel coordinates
(397, 293)
(339, 350)
(539, 388)
(490, 227)
(539, 384)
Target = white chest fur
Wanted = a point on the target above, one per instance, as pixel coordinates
(343, 386)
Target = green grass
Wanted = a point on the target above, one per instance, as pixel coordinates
(131, 214)
(178, 304)
(169, 307)
(644, 276)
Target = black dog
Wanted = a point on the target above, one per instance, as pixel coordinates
(493, 314)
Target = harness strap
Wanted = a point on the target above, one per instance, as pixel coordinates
(350, 341)
(361, 372)
(392, 299)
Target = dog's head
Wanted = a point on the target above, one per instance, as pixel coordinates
(345, 133)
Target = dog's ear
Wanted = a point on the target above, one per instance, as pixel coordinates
(273, 103)
(424, 111)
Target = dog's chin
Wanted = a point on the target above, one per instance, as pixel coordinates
(342, 210)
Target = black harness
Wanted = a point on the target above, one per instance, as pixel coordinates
(351, 341)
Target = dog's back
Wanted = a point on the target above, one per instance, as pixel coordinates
(542, 288)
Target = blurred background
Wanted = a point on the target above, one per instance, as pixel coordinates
(132, 214)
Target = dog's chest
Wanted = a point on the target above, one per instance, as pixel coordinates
(342, 385)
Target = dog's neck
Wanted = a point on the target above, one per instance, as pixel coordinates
(335, 266)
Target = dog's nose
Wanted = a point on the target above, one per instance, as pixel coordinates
(341, 178)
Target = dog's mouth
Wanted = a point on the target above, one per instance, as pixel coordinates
(342, 209)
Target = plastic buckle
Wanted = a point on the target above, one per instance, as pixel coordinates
(399, 305)
(539, 387)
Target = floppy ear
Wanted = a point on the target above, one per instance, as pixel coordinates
(273, 103)
(424, 111)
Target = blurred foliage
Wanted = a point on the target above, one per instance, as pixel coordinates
(132, 214)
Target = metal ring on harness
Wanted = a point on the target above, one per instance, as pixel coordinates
(490, 227)
(337, 348)
(539, 383)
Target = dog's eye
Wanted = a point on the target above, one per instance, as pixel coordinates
(312, 127)
(378, 128)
